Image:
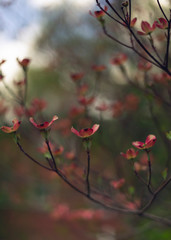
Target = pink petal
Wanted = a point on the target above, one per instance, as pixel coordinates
(145, 26)
(139, 145)
(95, 127)
(141, 33)
(124, 155)
(53, 119)
(150, 140)
(133, 22)
(75, 131)
(6, 129)
(16, 124)
(32, 121)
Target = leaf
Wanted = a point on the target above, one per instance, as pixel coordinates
(164, 173)
(131, 190)
(168, 135)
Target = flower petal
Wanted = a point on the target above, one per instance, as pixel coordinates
(75, 131)
(139, 145)
(95, 127)
(150, 140)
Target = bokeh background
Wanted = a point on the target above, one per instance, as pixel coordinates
(60, 37)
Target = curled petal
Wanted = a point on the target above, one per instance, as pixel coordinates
(95, 127)
(75, 131)
(139, 145)
(145, 26)
(133, 21)
(150, 141)
(53, 119)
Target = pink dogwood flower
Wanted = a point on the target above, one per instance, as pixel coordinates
(118, 184)
(163, 23)
(130, 153)
(85, 132)
(14, 128)
(149, 142)
(147, 28)
(98, 68)
(98, 14)
(24, 62)
(44, 125)
(119, 59)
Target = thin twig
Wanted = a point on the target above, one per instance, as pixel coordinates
(31, 158)
(161, 9)
(88, 172)
(107, 13)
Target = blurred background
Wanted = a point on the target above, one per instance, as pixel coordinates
(71, 64)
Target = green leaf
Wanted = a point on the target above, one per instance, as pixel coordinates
(164, 173)
(168, 135)
(131, 190)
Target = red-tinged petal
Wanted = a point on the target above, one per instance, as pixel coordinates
(58, 151)
(16, 124)
(95, 127)
(75, 131)
(153, 26)
(133, 21)
(118, 184)
(6, 129)
(32, 121)
(124, 154)
(139, 145)
(141, 33)
(145, 26)
(163, 21)
(86, 132)
(90, 12)
(150, 141)
(53, 119)
(2, 62)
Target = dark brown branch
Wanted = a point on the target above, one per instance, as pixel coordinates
(31, 158)
(161, 9)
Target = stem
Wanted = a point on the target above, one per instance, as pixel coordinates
(31, 158)
(161, 220)
(161, 9)
(12, 93)
(26, 88)
(88, 172)
(129, 2)
(168, 42)
(50, 151)
(98, 4)
(154, 48)
(115, 11)
(113, 38)
(160, 188)
(149, 171)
